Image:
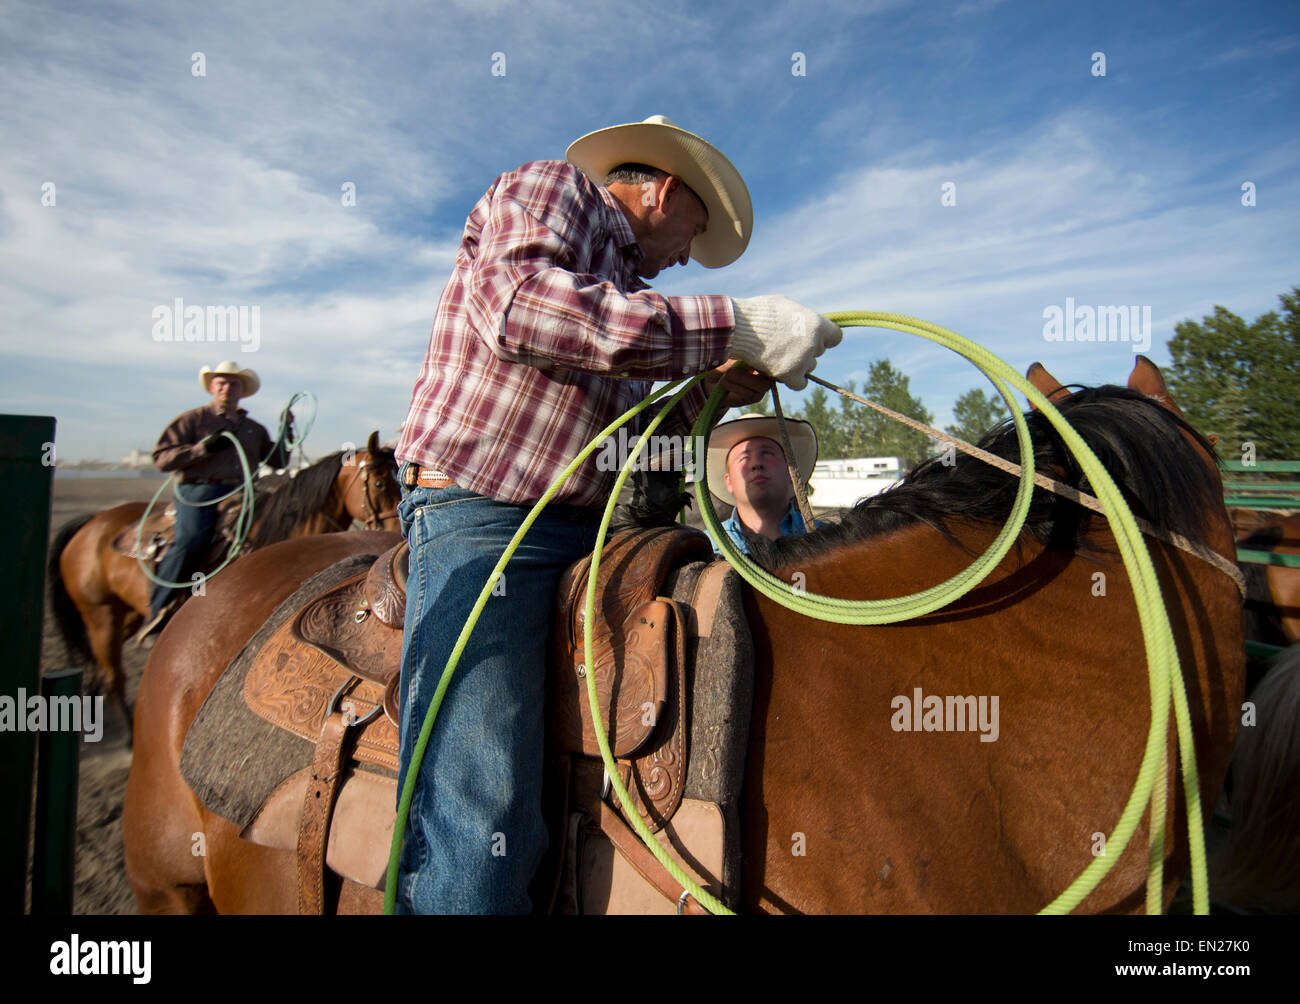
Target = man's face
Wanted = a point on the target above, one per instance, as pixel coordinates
(226, 392)
(757, 474)
(677, 220)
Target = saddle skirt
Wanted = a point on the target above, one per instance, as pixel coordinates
(328, 674)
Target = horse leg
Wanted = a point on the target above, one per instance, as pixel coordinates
(164, 843)
(104, 628)
(162, 827)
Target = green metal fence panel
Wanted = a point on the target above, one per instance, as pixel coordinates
(1268, 558)
(54, 854)
(1263, 467)
(1262, 501)
(26, 471)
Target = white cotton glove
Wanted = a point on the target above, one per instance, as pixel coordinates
(781, 338)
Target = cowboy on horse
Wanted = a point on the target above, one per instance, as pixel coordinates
(544, 334)
(194, 443)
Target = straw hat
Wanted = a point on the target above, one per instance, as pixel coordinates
(725, 437)
(230, 368)
(661, 143)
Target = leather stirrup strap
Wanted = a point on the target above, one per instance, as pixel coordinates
(646, 864)
(314, 823)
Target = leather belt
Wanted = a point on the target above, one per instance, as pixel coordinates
(426, 477)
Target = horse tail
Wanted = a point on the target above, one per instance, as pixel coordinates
(66, 615)
(1259, 867)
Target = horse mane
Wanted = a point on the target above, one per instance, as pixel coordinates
(1140, 443)
(286, 507)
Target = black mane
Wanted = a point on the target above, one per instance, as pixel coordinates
(278, 514)
(1137, 441)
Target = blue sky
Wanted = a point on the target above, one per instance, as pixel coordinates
(225, 188)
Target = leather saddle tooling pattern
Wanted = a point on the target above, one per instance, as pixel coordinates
(329, 675)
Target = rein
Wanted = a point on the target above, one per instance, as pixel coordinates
(1209, 556)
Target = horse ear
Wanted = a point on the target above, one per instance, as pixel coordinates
(372, 444)
(1147, 379)
(1045, 384)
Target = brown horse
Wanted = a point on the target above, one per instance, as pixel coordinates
(1273, 600)
(99, 596)
(851, 806)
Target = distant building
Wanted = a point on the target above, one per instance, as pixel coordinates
(839, 484)
(137, 460)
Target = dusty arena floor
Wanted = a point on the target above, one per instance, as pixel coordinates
(101, 886)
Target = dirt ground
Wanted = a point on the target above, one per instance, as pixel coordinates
(101, 886)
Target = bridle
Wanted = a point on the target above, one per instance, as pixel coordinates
(374, 516)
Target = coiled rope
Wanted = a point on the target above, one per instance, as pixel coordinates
(244, 521)
(1162, 659)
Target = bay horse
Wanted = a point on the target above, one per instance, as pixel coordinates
(1273, 597)
(100, 596)
(845, 810)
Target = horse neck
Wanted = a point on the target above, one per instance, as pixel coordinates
(333, 514)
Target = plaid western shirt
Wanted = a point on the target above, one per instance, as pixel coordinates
(544, 335)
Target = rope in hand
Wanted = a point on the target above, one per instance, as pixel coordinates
(1163, 668)
(244, 521)
(800, 496)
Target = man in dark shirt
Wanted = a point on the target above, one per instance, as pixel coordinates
(194, 444)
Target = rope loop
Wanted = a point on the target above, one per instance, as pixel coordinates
(1162, 658)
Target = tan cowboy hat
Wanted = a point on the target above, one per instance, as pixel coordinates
(230, 368)
(661, 143)
(803, 437)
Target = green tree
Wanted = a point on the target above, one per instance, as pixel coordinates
(1242, 380)
(858, 431)
(881, 435)
(817, 412)
(976, 413)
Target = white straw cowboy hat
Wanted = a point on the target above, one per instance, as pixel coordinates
(229, 368)
(661, 143)
(803, 437)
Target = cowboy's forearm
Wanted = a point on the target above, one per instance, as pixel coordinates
(180, 446)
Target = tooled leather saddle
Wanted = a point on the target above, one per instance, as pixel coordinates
(152, 541)
(329, 674)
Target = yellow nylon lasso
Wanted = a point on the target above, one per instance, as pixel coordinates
(244, 521)
(1162, 656)
(1157, 635)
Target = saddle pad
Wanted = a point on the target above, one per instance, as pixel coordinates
(720, 654)
(292, 685)
(233, 760)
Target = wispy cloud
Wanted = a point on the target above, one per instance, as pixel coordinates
(228, 187)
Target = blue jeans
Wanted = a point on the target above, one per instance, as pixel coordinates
(194, 526)
(475, 834)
